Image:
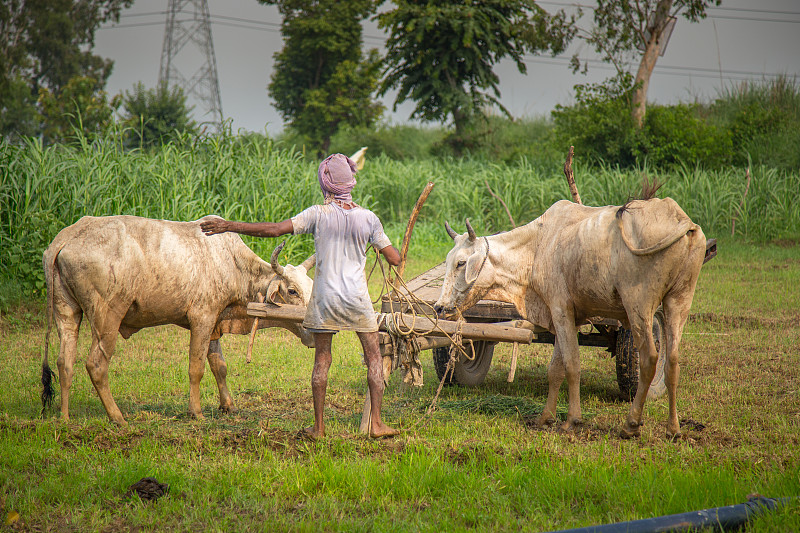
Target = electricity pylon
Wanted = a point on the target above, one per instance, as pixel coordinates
(188, 21)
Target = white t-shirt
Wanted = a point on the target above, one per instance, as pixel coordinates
(340, 299)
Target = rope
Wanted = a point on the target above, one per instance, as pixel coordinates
(404, 338)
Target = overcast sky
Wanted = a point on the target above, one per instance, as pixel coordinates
(739, 40)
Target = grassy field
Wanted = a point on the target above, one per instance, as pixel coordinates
(476, 463)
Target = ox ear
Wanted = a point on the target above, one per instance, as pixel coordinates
(272, 290)
(473, 266)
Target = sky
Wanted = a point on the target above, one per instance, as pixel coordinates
(739, 40)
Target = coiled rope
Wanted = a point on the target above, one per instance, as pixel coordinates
(405, 346)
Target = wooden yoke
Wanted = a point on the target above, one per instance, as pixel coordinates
(513, 331)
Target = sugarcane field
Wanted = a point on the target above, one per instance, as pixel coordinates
(551, 348)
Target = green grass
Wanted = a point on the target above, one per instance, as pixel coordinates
(476, 463)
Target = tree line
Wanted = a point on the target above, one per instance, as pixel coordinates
(439, 54)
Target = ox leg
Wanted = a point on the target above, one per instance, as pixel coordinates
(104, 340)
(676, 313)
(199, 341)
(567, 339)
(68, 322)
(220, 370)
(565, 363)
(555, 376)
(642, 329)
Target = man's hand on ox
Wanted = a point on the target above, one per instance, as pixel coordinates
(215, 226)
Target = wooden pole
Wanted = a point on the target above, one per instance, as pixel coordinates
(410, 227)
(513, 371)
(571, 177)
(253, 331)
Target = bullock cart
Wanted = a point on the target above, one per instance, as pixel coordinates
(471, 371)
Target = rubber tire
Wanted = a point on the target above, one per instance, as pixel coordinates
(627, 361)
(468, 373)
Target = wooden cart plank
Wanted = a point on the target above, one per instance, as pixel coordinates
(427, 287)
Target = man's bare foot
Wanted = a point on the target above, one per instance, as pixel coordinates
(382, 431)
(310, 434)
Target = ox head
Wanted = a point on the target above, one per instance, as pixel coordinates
(469, 273)
(291, 285)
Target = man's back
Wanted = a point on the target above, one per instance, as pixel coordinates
(340, 299)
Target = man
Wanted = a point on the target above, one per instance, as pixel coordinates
(340, 299)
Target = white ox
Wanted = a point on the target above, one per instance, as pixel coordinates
(125, 273)
(576, 262)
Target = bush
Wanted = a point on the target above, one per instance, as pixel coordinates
(599, 125)
(497, 138)
(676, 135)
(156, 116)
(764, 121)
(397, 142)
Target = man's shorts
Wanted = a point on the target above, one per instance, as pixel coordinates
(315, 330)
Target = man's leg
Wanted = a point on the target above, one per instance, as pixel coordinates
(319, 382)
(369, 341)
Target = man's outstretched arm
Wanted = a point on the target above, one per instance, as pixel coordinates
(256, 229)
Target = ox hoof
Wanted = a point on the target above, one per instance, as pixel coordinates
(228, 408)
(673, 436)
(544, 421)
(570, 425)
(196, 416)
(630, 430)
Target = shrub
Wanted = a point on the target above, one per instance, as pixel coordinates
(676, 135)
(764, 121)
(599, 125)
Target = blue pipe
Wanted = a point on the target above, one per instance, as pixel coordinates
(722, 518)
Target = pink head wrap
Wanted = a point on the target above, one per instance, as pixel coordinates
(337, 178)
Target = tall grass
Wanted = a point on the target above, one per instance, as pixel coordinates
(46, 188)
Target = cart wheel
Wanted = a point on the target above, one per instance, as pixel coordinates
(467, 372)
(627, 359)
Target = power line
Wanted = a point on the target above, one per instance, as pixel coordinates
(669, 70)
(675, 70)
(710, 8)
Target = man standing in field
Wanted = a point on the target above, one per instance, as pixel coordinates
(340, 299)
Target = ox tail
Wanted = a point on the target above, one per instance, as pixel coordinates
(48, 391)
(684, 227)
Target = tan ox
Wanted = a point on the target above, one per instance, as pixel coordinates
(575, 262)
(125, 273)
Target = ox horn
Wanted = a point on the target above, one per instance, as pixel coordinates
(470, 231)
(450, 231)
(309, 263)
(273, 260)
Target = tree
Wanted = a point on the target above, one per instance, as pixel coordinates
(441, 54)
(320, 79)
(629, 28)
(45, 44)
(156, 116)
(80, 107)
